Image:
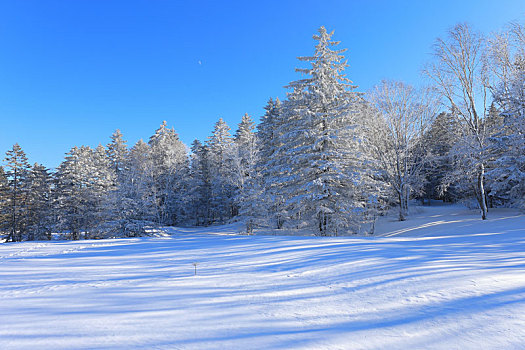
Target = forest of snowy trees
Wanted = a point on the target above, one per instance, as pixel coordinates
(328, 159)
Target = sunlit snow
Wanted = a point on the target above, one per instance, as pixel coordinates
(441, 280)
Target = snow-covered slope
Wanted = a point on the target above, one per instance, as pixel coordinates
(441, 280)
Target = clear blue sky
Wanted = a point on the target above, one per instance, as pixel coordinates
(71, 72)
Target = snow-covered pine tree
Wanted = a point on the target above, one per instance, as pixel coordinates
(74, 200)
(17, 171)
(116, 152)
(4, 202)
(102, 185)
(220, 156)
(170, 169)
(137, 191)
(245, 174)
(319, 141)
(39, 210)
(269, 166)
(199, 182)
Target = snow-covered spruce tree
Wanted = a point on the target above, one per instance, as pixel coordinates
(71, 193)
(220, 156)
(116, 154)
(245, 173)
(405, 114)
(39, 208)
(102, 185)
(83, 182)
(137, 191)
(460, 77)
(269, 167)
(319, 142)
(117, 151)
(17, 171)
(199, 183)
(170, 169)
(4, 202)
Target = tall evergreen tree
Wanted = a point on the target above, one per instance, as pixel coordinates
(17, 172)
(199, 181)
(319, 141)
(220, 156)
(245, 171)
(269, 167)
(170, 169)
(73, 192)
(4, 202)
(137, 190)
(117, 151)
(39, 212)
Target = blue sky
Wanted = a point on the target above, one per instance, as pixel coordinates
(71, 72)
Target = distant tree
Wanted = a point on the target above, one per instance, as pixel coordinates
(4, 202)
(170, 169)
(17, 173)
(116, 152)
(245, 172)
(199, 183)
(137, 191)
(220, 156)
(73, 193)
(39, 204)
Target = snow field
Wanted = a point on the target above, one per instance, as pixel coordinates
(441, 280)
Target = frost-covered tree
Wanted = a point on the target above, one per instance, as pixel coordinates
(137, 190)
(4, 201)
(17, 171)
(319, 140)
(116, 154)
(102, 178)
(199, 181)
(83, 183)
(269, 166)
(71, 192)
(170, 169)
(39, 204)
(507, 53)
(244, 170)
(443, 134)
(405, 114)
(220, 156)
(116, 151)
(459, 75)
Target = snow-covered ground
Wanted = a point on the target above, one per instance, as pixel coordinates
(441, 280)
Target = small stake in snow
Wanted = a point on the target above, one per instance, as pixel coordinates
(195, 265)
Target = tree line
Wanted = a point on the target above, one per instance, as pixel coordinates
(328, 159)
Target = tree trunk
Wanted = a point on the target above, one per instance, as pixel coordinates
(402, 213)
(481, 192)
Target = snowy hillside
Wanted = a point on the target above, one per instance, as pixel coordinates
(441, 280)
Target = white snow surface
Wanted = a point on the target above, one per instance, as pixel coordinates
(443, 279)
